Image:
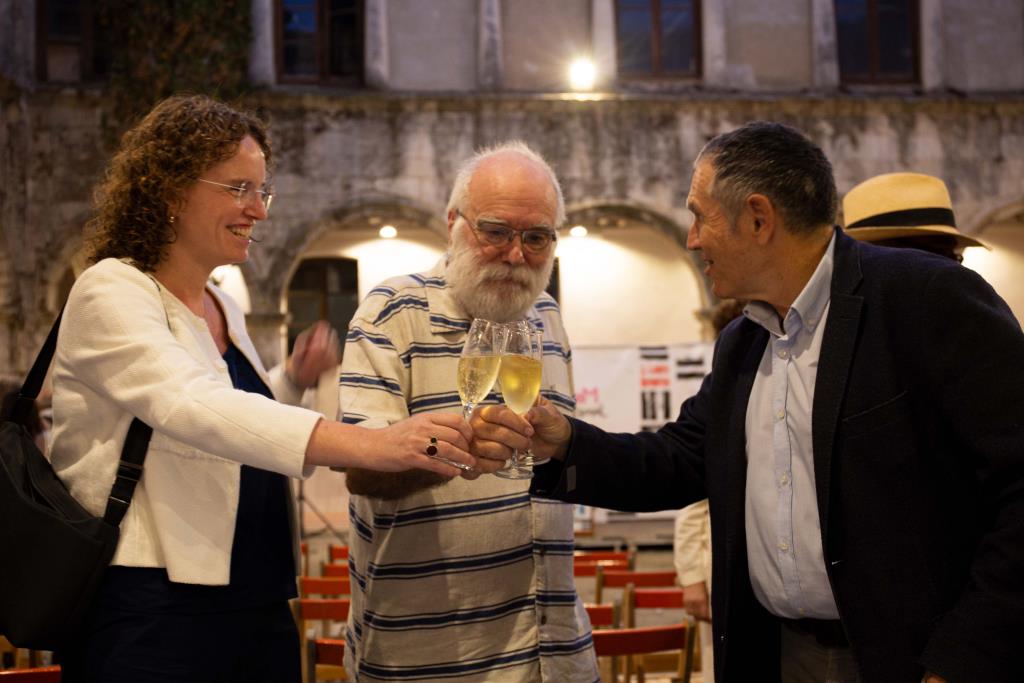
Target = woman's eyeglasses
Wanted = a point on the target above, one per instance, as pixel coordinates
(244, 193)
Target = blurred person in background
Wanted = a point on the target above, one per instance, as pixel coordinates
(906, 210)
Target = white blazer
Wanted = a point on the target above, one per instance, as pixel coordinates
(127, 348)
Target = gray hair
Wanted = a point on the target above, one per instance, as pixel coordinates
(460, 190)
(779, 162)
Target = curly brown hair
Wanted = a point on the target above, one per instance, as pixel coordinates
(159, 159)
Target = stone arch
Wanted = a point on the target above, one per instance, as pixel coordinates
(634, 212)
(615, 221)
(270, 270)
(1002, 229)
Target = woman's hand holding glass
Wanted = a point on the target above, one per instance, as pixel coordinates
(437, 442)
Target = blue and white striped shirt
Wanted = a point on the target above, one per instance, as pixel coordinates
(470, 581)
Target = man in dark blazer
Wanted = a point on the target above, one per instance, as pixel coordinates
(860, 437)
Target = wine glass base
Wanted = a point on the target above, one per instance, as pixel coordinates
(515, 473)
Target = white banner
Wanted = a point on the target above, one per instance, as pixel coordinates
(629, 389)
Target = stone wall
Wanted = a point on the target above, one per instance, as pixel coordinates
(339, 158)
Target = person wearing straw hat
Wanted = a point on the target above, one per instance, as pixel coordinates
(860, 440)
(906, 210)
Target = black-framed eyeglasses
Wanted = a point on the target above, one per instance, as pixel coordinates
(534, 240)
(244, 193)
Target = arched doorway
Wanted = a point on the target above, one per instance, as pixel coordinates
(630, 280)
(1003, 264)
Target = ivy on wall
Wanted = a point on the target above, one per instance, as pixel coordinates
(156, 48)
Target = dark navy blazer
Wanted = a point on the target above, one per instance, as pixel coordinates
(918, 440)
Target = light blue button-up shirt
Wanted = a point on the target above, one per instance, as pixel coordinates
(784, 549)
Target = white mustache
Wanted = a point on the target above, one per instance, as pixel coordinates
(500, 271)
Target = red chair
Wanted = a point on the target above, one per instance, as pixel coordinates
(648, 598)
(330, 651)
(635, 599)
(334, 569)
(630, 642)
(324, 586)
(329, 612)
(43, 674)
(589, 568)
(614, 578)
(337, 552)
(603, 615)
(627, 556)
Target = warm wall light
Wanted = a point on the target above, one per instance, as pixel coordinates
(387, 232)
(578, 231)
(582, 74)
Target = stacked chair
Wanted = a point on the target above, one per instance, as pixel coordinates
(321, 613)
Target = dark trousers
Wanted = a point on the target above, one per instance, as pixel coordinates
(252, 645)
(811, 658)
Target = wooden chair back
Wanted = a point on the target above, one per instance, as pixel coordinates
(337, 553)
(589, 568)
(334, 569)
(602, 615)
(324, 586)
(617, 578)
(330, 652)
(42, 674)
(634, 599)
(627, 556)
(330, 612)
(630, 642)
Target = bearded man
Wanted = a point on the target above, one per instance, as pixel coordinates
(457, 579)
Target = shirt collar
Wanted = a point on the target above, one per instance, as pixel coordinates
(808, 309)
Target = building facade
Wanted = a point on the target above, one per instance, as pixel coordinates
(372, 105)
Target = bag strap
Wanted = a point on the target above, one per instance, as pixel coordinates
(129, 471)
(34, 381)
(136, 443)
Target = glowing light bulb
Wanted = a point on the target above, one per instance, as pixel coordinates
(582, 74)
(388, 232)
(578, 231)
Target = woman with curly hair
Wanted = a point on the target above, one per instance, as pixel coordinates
(199, 585)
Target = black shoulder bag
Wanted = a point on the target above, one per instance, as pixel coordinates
(53, 552)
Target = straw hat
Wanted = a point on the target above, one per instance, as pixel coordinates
(902, 205)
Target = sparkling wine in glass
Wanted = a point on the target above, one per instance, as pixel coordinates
(479, 362)
(520, 377)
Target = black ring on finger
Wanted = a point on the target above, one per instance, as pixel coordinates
(432, 448)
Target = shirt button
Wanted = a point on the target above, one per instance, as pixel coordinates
(783, 353)
(781, 414)
(784, 479)
(783, 546)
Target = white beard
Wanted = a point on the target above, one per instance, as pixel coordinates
(493, 291)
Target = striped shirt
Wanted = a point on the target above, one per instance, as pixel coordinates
(470, 581)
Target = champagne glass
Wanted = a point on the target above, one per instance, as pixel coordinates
(478, 364)
(520, 375)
